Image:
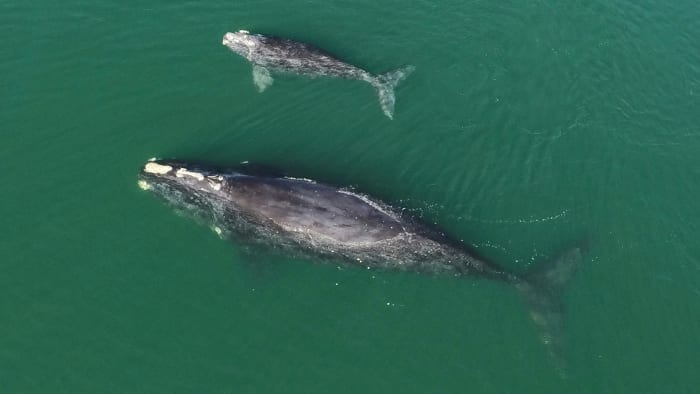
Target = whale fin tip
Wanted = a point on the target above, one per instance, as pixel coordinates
(385, 85)
(262, 78)
(541, 291)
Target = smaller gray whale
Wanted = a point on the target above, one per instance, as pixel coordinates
(329, 224)
(267, 54)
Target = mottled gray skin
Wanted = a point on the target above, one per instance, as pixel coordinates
(289, 56)
(300, 215)
(268, 54)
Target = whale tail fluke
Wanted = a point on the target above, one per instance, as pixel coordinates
(385, 84)
(541, 291)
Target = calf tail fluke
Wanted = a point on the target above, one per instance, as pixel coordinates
(542, 290)
(385, 85)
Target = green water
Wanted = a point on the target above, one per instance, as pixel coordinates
(527, 125)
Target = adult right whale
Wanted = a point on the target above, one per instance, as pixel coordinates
(340, 226)
(283, 55)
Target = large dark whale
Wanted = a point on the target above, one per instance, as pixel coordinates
(279, 54)
(338, 225)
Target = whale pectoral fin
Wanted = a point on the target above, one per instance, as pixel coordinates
(262, 77)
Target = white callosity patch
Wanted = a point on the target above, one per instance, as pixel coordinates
(144, 185)
(240, 42)
(182, 172)
(155, 168)
(214, 185)
(229, 38)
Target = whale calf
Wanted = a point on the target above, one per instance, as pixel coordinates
(338, 225)
(267, 53)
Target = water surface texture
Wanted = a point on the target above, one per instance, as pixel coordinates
(527, 126)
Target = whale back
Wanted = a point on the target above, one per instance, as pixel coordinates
(317, 210)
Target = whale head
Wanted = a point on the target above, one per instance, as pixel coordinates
(241, 42)
(181, 175)
(192, 189)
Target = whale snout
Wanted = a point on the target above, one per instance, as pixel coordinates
(237, 37)
(176, 174)
(229, 38)
(241, 42)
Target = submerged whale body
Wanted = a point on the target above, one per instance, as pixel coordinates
(279, 54)
(338, 225)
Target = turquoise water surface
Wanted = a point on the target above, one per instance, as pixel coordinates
(527, 125)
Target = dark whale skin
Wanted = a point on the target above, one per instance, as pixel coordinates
(362, 231)
(301, 215)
